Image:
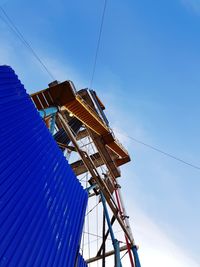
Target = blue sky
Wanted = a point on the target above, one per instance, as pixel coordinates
(148, 77)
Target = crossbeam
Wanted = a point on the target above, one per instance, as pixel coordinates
(107, 254)
(95, 175)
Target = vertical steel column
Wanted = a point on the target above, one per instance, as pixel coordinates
(114, 240)
(47, 111)
(104, 240)
(126, 219)
(52, 124)
(124, 213)
(121, 209)
(136, 257)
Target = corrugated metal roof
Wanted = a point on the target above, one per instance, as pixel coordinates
(42, 204)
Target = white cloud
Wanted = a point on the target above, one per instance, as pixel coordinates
(157, 249)
(29, 70)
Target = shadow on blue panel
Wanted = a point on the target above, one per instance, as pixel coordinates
(42, 204)
(81, 262)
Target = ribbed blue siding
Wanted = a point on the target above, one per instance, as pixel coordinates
(42, 204)
(81, 262)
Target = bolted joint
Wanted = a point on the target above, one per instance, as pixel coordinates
(115, 243)
(117, 186)
(136, 246)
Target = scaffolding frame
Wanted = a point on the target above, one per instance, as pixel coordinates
(59, 105)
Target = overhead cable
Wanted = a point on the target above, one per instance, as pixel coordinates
(162, 152)
(18, 33)
(98, 43)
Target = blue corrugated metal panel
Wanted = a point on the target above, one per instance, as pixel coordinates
(81, 262)
(42, 204)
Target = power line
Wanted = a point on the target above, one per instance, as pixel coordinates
(98, 43)
(14, 28)
(162, 152)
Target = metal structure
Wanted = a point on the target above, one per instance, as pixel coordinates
(79, 125)
(52, 142)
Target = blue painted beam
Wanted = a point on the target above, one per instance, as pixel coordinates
(48, 112)
(136, 257)
(114, 240)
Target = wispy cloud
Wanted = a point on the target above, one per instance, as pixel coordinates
(157, 249)
(16, 55)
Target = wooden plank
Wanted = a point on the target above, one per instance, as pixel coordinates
(106, 157)
(95, 175)
(107, 254)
